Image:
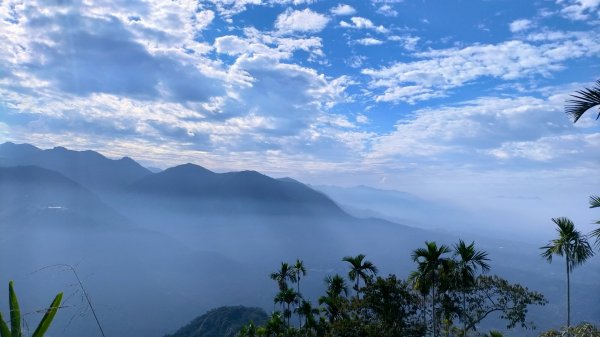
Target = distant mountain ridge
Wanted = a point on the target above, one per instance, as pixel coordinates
(88, 168)
(31, 195)
(186, 186)
(249, 190)
(397, 206)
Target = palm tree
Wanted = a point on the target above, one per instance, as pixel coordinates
(287, 296)
(360, 269)
(583, 101)
(573, 246)
(275, 325)
(468, 261)
(248, 331)
(306, 309)
(336, 285)
(421, 283)
(430, 260)
(299, 271)
(595, 202)
(285, 273)
(334, 301)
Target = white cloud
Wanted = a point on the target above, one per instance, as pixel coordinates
(304, 21)
(363, 23)
(473, 130)
(263, 43)
(580, 9)
(369, 41)
(544, 149)
(408, 42)
(387, 10)
(342, 10)
(231, 45)
(520, 25)
(142, 76)
(444, 69)
(362, 119)
(203, 19)
(356, 61)
(228, 8)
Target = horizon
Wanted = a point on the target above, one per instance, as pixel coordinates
(509, 226)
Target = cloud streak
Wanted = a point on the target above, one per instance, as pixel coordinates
(438, 71)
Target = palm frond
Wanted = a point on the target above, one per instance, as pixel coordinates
(583, 101)
(594, 201)
(596, 233)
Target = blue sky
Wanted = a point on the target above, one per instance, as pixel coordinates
(441, 98)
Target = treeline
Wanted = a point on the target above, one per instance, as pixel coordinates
(448, 294)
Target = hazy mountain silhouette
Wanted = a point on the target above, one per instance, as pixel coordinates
(157, 248)
(88, 168)
(31, 195)
(401, 207)
(187, 186)
(47, 219)
(246, 192)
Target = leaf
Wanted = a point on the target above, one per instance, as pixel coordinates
(4, 332)
(48, 317)
(15, 312)
(594, 201)
(583, 101)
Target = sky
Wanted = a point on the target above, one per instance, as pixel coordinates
(462, 100)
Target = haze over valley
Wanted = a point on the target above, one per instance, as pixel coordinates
(196, 239)
(321, 168)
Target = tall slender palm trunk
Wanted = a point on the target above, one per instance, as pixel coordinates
(464, 310)
(425, 310)
(568, 293)
(433, 316)
(298, 304)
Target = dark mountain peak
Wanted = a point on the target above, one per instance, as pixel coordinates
(187, 168)
(186, 179)
(247, 174)
(10, 147)
(289, 180)
(202, 190)
(88, 168)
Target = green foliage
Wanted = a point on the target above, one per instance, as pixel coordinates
(360, 269)
(15, 316)
(582, 101)
(433, 265)
(48, 317)
(222, 322)
(285, 273)
(581, 330)
(390, 307)
(494, 294)
(571, 244)
(595, 202)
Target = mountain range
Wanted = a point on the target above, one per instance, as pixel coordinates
(160, 246)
